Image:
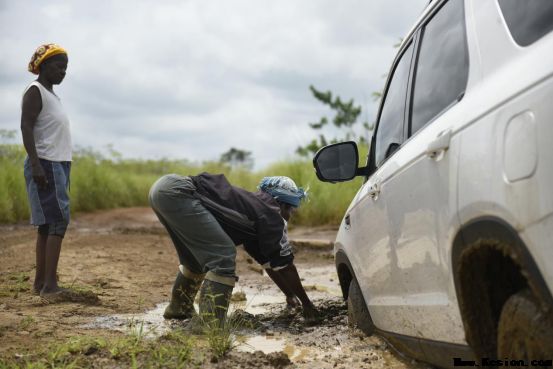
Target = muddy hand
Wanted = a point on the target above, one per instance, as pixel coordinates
(310, 313)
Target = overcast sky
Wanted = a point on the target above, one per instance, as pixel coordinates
(190, 79)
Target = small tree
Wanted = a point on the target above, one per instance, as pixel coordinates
(237, 158)
(346, 115)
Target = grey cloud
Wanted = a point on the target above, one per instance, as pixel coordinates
(194, 78)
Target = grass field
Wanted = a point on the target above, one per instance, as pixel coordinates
(99, 182)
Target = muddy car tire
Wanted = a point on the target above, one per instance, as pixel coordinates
(524, 331)
(358, 314)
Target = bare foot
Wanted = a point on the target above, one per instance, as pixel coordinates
(37, 287)
(57, 295)
(311, 314)
(69, 295)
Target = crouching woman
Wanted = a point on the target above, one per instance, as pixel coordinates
(206, 218)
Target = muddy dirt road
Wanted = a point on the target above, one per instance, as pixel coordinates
(124, 264)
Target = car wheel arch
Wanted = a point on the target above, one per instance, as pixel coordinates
(486, 253)
(358, 312)
(345, 272)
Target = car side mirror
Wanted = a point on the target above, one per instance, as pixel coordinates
(337, 162)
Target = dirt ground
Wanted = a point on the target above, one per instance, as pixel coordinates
(125, 263)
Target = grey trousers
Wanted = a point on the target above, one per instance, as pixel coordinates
(201, 244)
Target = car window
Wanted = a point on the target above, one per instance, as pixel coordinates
(528, 20)
(389, 134)
(442, 65)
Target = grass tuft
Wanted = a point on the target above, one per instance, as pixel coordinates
(175, 349)
(14, 283)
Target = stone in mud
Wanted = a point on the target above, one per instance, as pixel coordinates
(89, 350)
(243, 320)
(69, 295)
(255, 360)
(238, 296)
(278, 359)
(101, 283)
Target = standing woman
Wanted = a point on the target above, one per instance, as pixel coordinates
(47, 140)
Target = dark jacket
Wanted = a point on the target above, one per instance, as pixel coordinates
(249, 218)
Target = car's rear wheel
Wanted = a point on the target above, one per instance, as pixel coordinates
(358, 314)
(525, 332)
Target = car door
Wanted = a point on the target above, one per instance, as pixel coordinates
(407, 209)
(421, 197)
(373, 258)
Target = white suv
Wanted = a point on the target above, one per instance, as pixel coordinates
(447, 250)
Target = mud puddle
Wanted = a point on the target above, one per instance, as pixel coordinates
(268, 345)
(264, 326)
(263, 323)
(149, 324)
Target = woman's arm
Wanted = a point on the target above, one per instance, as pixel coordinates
(291, 299)
(291, 279)
(32, 105)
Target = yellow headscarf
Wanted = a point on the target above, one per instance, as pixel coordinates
(42, 53)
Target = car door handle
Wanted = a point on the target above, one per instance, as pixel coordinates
(439, 145)
(347, 221)
(374, 191)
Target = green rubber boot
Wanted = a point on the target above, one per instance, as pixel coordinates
(215, 299)
(183, 294)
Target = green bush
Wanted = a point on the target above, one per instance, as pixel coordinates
(98, 182)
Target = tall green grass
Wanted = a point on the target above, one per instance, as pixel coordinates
(13, 196)
(100, 182)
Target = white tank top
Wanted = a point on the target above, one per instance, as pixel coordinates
(52, 132)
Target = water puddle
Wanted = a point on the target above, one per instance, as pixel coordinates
(152, 324)
(269, 344)
(257, 302)
(149, 324)
(321, 279)
(253, 298)
(261, 343)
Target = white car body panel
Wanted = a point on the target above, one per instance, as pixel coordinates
(498, 164)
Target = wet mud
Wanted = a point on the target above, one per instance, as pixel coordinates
(121, 265)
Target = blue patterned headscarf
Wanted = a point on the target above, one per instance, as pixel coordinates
(283, 189)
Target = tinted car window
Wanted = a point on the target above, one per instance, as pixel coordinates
(390, 127)
(528, 20)
(442, 65)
